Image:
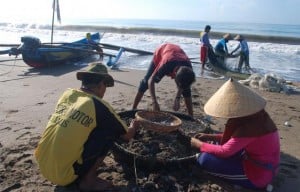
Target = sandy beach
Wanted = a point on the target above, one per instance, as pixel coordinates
(28, 97)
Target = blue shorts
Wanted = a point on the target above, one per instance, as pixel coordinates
(230, 169)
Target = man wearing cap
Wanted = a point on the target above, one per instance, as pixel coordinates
(168, 60)
(80, 132)
(248, 152)
(244, 52)
(221, 49)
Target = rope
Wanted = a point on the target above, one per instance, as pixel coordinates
(135, 173)
(13, 66)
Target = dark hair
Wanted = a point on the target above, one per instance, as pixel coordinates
(184, 78)
(91, 79)
(207, 27)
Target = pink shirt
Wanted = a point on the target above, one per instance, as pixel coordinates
(264, 149)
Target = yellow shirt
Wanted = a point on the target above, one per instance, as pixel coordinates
(76, 115)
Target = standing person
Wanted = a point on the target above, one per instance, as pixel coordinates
(248, 152)
(244, 52)
(94, 45)
(168, 60)
(205, 45)
(80, 133)
(221, 47)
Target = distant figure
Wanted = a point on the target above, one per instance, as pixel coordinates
(247, 153)
(221, 49)
(168, 60)
(94, 45)
(244, 52)
(205, 45)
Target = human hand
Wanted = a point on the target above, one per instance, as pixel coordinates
(134, 125)
(196, 143)
(202, 137)
(208, 138)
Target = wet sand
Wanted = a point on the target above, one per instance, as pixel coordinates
(28, 97)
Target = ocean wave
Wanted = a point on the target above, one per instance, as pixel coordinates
(152, 30)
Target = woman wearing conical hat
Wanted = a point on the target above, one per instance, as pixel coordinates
(248, 152)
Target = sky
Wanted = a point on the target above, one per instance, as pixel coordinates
(249, 11)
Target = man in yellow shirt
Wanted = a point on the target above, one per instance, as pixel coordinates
(80, 133)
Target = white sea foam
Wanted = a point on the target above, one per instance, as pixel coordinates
(283, 59)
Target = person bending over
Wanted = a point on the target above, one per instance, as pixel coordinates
(244, 52)
(221, 49)
(168, 60)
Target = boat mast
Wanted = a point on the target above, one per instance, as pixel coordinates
(52, 20)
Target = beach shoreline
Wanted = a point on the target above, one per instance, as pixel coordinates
(28, 97)
(179, 32)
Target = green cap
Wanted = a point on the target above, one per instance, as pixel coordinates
(97, 69)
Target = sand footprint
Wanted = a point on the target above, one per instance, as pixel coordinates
(23, 135)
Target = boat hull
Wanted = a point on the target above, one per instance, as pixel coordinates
(41, 55)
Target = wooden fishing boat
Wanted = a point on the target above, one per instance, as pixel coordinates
(218, 66)
(37, 54)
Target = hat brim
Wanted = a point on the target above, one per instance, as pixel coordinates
(234, 100)
(227, 36)
(108, 79)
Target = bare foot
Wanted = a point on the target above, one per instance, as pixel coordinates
(96, 184)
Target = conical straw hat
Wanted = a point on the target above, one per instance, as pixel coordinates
(234, 100)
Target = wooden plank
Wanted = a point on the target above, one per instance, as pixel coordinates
(9, 45)
(132, 50)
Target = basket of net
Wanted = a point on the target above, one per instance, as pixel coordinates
(154, 150)
(158, 121)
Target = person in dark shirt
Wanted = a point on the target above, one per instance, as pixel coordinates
(221, 49)
(81, 132)
(244, 52)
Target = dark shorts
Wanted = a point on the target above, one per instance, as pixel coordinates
(97, 145)
(143, 87)
(144, 82)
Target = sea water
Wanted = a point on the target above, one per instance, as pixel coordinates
(266, 54)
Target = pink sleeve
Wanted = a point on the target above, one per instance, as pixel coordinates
(229, 148)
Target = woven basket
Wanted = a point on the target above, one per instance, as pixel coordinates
(158, 121)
